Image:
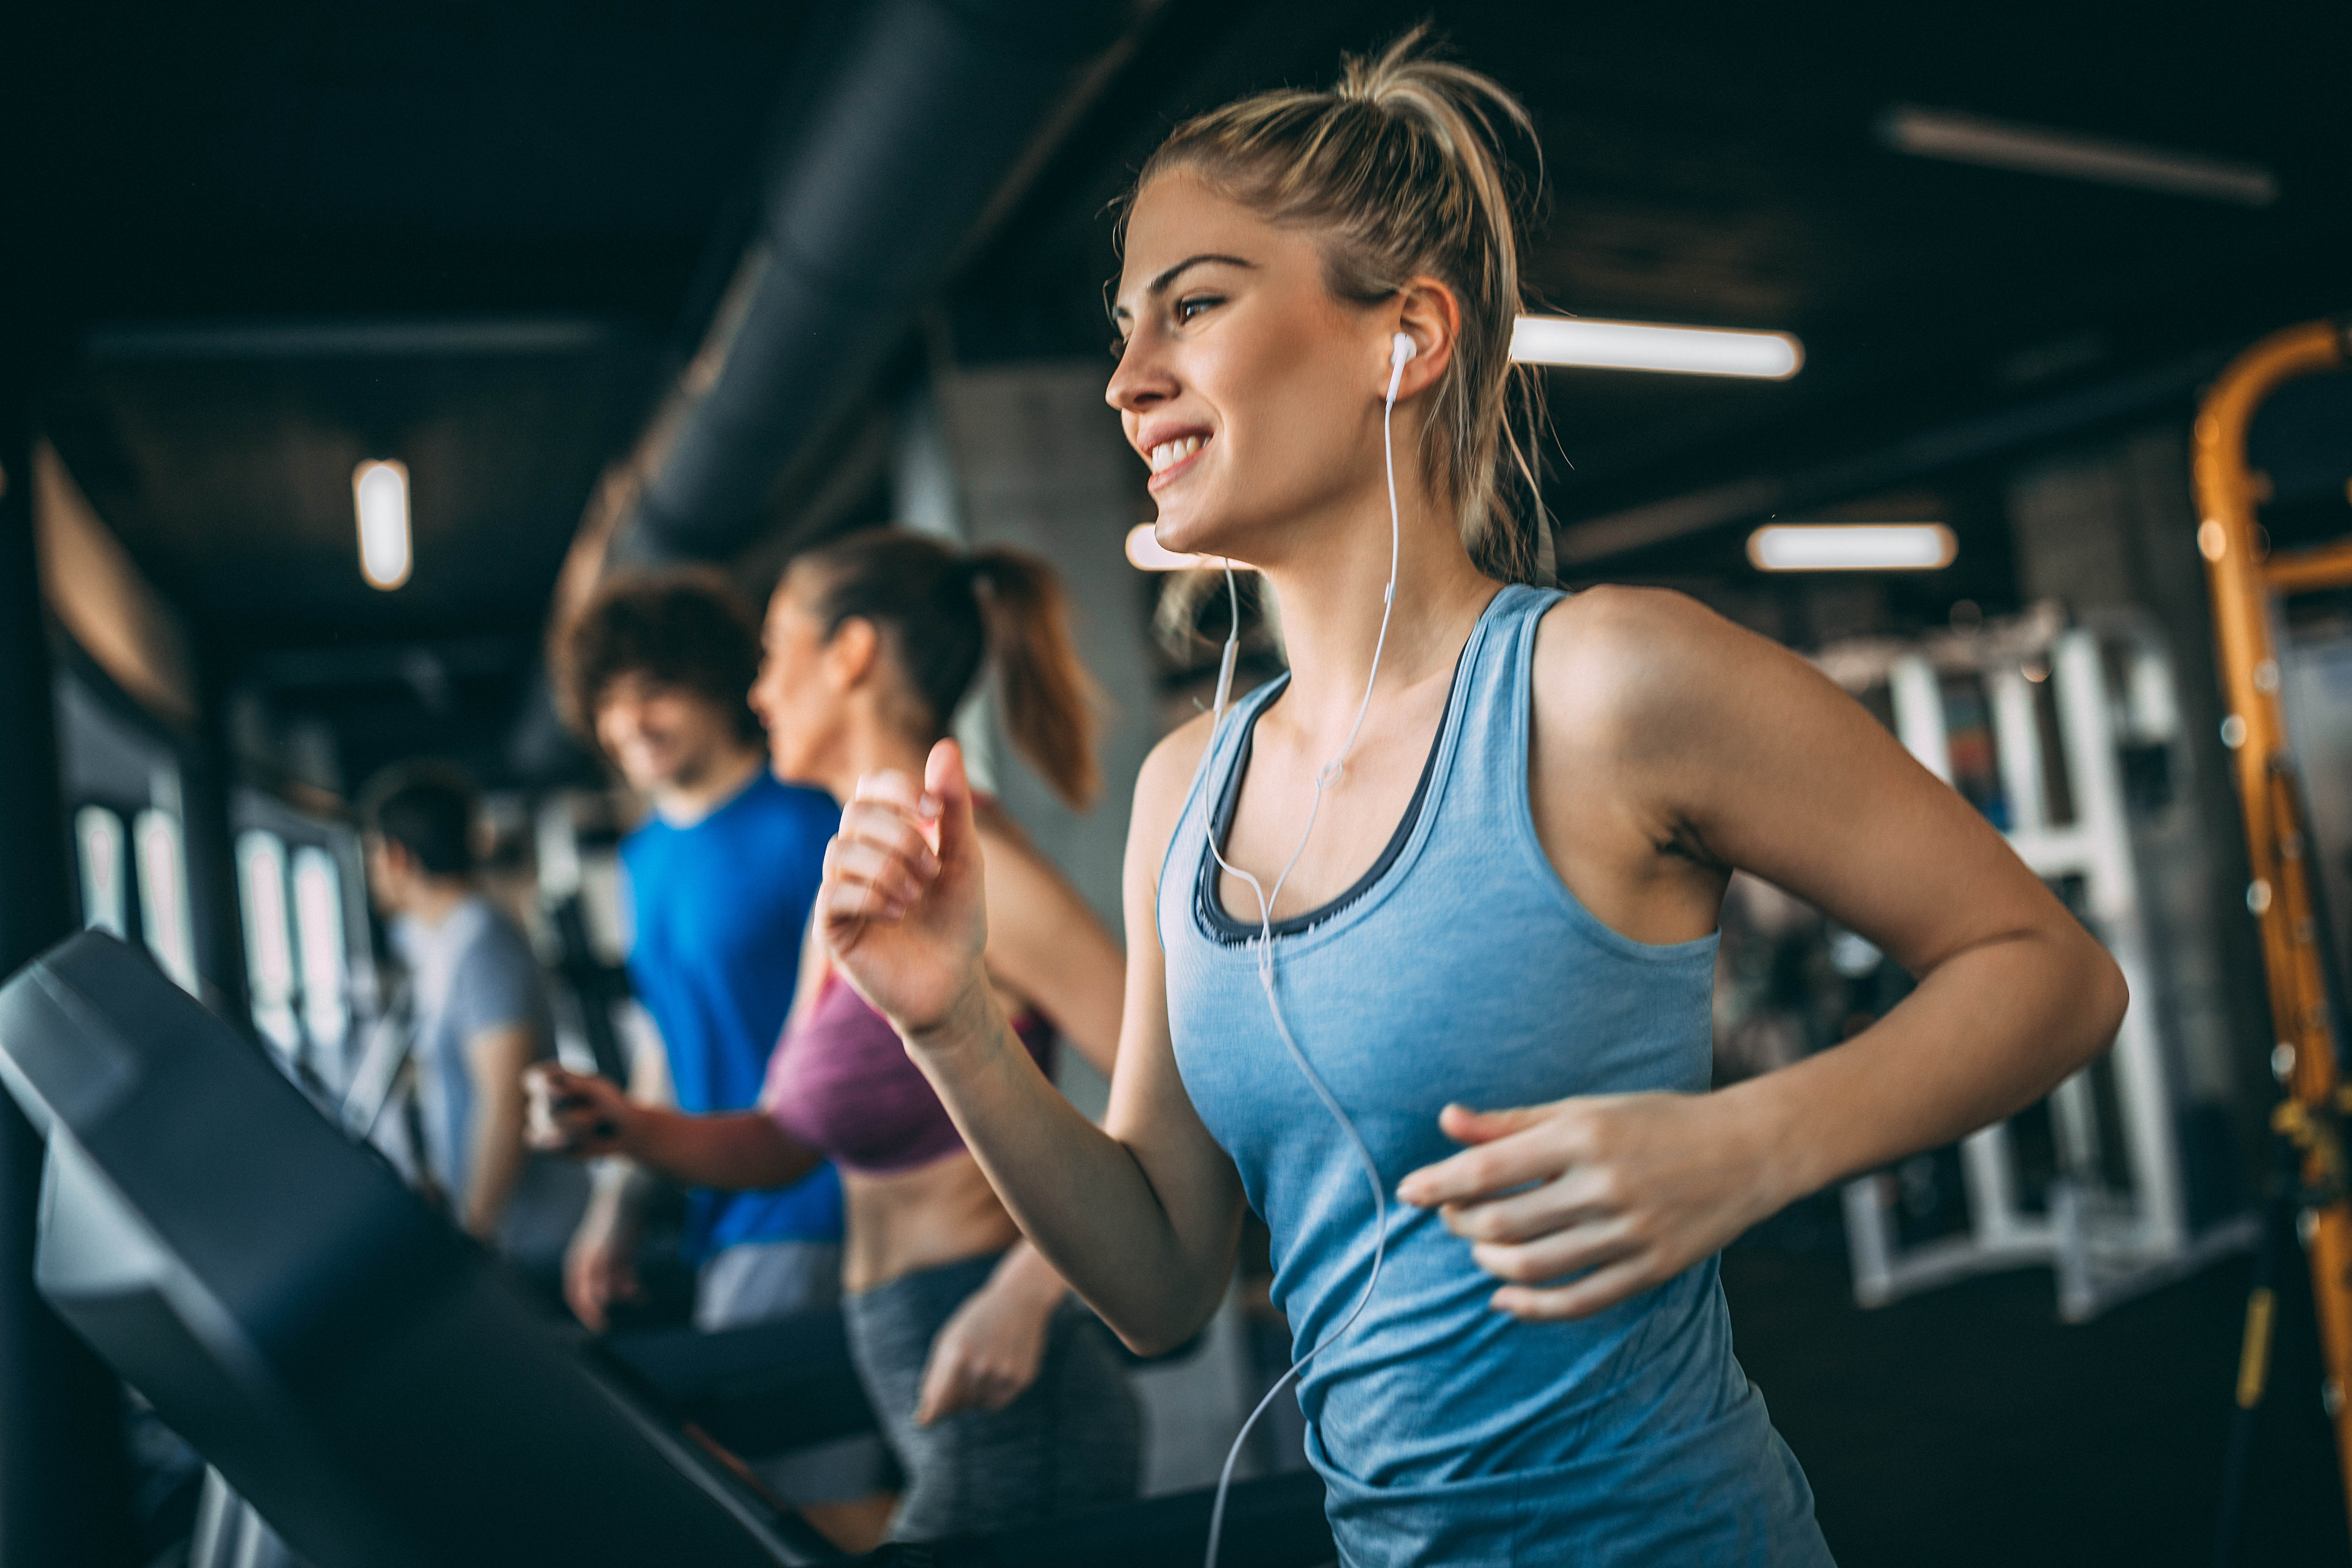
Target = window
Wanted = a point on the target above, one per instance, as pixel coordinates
(268, 941)
(318, 940)
(105, 892)
(163, 912)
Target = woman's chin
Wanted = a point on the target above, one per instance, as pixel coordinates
(1186, 535)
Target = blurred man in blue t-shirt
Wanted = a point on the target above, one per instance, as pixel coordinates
(719, 882)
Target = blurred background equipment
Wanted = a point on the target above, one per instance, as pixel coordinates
(2068, 739)
(2295, 852)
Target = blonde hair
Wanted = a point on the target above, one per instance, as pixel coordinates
(1400, 166)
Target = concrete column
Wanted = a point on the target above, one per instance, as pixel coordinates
(1042, 467)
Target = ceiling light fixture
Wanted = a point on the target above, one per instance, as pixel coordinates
(2070, 155)
(1642, 345)
(1146, 553)
(379, 495)
(1851, 547)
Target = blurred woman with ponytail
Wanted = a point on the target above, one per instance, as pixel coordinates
(1002, 1396)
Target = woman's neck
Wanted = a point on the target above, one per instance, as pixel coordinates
(682, 802)
(868, 745)
(1330, 599)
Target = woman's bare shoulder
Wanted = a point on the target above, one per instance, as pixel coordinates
(1619, 666)
(1166, 775)
(1162, 788)
(1622, 624)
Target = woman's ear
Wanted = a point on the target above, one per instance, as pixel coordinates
(849, 657)
(1428, 312)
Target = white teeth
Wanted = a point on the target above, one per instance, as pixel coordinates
(1168, 453)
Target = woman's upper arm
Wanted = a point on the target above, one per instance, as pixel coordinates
(1749, 756)
(1150, 1113)
(1044, 942)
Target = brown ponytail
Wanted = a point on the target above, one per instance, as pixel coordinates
(942, 613)
(1048, 698)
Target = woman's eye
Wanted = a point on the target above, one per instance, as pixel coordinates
(1191, 306)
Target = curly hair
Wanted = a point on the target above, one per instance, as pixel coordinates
(682, 627)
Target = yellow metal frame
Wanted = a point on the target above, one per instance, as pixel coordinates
(2246, 580)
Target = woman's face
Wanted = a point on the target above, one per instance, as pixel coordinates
(1251, 390)
(795, 696)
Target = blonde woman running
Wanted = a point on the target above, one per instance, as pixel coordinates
(1494, 942)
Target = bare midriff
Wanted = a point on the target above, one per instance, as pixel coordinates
(907, 1221)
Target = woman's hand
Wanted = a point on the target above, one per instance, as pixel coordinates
(585, 1117)
(901, 908)
(1608, 1194)
(986, 1354)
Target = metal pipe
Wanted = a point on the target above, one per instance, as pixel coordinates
(913, 131)
(2229, 540)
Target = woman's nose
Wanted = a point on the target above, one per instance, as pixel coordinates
(1141, 380)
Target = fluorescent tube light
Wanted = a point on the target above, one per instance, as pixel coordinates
(1641, 345)
(1851, 547)
(380, 494)
(2070, 155)
(1146, 553)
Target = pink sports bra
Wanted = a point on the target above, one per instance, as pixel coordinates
(841, 1081)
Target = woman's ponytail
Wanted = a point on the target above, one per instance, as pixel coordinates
(1048, 701)
(942, 613)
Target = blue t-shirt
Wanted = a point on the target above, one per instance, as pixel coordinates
(718, 911)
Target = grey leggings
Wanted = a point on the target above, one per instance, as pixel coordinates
(1073, 1440)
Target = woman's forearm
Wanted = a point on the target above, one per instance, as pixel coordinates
(737, 1151)
(1025, 1275)
(1079, 1194)
(1987, 1032)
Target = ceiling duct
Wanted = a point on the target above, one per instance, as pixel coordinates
(911, 128)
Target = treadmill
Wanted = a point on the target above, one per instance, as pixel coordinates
(354, 1367)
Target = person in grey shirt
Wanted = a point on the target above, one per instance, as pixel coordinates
(480, 1015)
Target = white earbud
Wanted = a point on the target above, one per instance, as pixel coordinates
(1402, 348)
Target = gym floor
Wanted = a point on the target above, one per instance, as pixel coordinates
(1969, 1425)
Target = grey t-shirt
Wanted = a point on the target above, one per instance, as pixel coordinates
(472, 972)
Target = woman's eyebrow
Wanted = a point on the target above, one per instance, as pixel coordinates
(1160, 285)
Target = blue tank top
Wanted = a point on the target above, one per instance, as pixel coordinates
(718, 909)
(1462, 969)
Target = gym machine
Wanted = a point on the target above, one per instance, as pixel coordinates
(2286, 895)
(355, 1368)
(2067, 734)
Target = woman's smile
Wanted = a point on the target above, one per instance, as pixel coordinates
(1172, 457)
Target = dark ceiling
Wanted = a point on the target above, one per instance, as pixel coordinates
(549, 199)
(314, 159)
(228, 460)
(1716, 164)
(465, 234)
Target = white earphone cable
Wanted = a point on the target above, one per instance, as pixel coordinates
(1264, 943)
